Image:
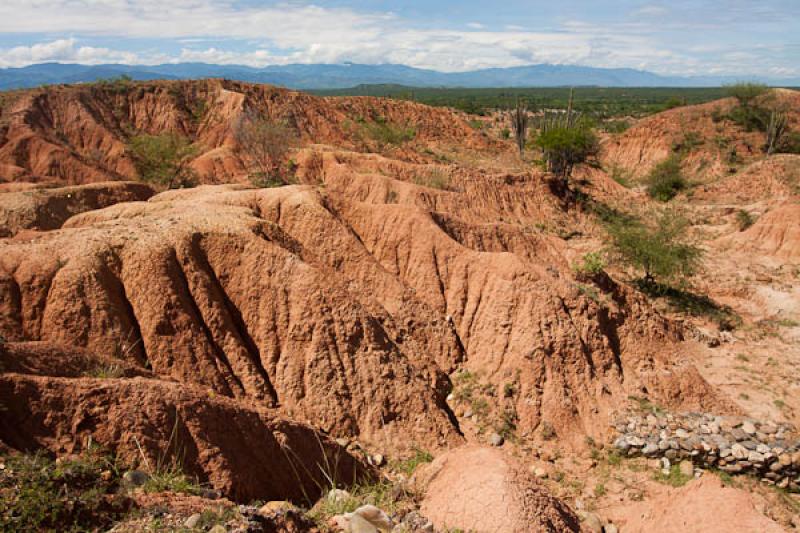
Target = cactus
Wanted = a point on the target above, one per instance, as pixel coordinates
(519, 123)
(775, 130)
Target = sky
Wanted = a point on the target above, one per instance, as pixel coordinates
(680, 37)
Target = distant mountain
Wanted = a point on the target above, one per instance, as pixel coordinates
(339, 76)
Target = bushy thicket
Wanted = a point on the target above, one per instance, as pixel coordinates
(666, 180)
(164, 159)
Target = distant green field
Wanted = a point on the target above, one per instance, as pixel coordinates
(602, 102)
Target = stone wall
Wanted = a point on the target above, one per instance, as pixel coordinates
(735, 445)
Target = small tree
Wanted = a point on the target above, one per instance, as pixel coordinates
(659, 250)
(666, 180)
(265, 143)
(567, 145)
(164, 159)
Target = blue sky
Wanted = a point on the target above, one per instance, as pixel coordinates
(732, 37)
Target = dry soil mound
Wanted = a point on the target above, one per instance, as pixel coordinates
(774, 178)
(46, 209)
(776, 234)
(702, 506)
(482, 490)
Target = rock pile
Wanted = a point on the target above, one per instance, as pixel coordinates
(732, 444)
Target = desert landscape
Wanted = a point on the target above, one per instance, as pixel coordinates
(393, 318)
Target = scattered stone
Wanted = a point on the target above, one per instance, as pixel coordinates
(374, 516)
(135, 478)
(192, 521)
(276, 506)
(218, 529)
(376, 460)
(540, 472)
(610, 528)
(749, 428)
(495, 439)
(591, 521)
(338, 496)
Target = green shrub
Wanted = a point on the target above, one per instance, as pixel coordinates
(746, 92)
(789, 144)
(384, 133)
(674, 478)
(163, 159)
(593, 264)
(408, 465)
(691, 140)
(659, 250)
(505, 133)
(750, 117)
(616, 126)
(666, 180)
(744, 219)
(565, 146)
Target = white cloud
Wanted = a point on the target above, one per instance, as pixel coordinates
(225, 31)
(63, 50)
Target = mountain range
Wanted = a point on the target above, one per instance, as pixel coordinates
(340, 76)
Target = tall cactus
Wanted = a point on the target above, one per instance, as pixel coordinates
(775, 129)
(519, 123)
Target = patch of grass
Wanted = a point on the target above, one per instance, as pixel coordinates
(621, 176)
(614, 458)
(106, 371)
(742, 357)
(675, 478)
(690, 142)
(384, 133)
(78, 494)
(408, 465)
(646, 406)
(172, 479)
(380, 494)
(592, 264)
(216, 517)
(599, 490)
(433, 177)
(780, 404)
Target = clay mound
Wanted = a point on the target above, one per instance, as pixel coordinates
(702, 506)
(47, 359)
(246, 453)
(79, 134)
(344, 314)
(482, 490)
(774, 178)
(776, 234)
(47, 209)
(653, 139)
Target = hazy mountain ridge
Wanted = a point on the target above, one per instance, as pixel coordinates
(337, 76)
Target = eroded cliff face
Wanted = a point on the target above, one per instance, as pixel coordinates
(80, 134)
(346, 314)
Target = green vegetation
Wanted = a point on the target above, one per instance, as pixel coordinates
(381, 494)
(593, 264)
(265, 143)
(746, 92)
(675, 478)
(163, 159)
(408, 465)
(659, 249)
(171, 479)
(78, 494)
(384, 133)
(666, 180)
(597, 102)
(744, 219)
(565, 146)
(106, 371)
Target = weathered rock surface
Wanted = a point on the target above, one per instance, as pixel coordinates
(344, 314)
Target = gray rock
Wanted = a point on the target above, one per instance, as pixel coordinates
(749, 428)
(495, 439)
(650, 449)
(218, 529)
(610, 528)
(135, 478)
(738, 451)
(192, 521)
(591, 521)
